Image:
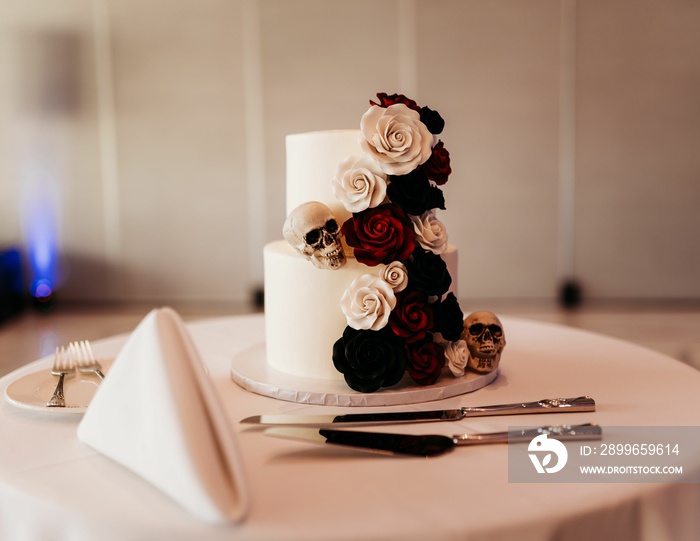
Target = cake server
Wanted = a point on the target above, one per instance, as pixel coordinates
(430, 445)
(547, 405)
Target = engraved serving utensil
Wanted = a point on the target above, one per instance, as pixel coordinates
(63, 367)
(85, 359)
(429, 445)
(546, 405)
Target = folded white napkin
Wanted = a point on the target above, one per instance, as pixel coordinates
(158, 414)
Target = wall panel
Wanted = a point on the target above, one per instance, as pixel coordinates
(491, 69)
(638, 137)
(181, 148)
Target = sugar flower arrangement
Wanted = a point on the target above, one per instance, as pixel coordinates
(402, 319)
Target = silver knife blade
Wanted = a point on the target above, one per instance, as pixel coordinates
(427, 445)
(547, 405)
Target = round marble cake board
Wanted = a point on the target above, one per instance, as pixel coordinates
(250, 370)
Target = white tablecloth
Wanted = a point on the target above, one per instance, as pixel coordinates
(54, 487)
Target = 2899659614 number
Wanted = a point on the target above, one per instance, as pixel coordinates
(639, 449)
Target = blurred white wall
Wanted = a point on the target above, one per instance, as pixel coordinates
(154, 130)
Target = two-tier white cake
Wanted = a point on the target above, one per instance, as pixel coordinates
(362, 291)
(303, 318)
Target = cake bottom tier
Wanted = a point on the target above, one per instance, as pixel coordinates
(303, 318)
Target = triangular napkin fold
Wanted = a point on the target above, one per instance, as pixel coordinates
(158, 414)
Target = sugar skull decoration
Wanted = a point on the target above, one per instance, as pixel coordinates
(483, 333)
(313, 231)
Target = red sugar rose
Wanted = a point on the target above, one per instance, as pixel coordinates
(426, 360)
(412, 317)
(385, 100)
(380, 235)
(437, 168)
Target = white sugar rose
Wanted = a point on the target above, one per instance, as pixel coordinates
(457, 355)
(396, 275)
(359, 183)
(430, 232)
(396, 138)
(368, 302)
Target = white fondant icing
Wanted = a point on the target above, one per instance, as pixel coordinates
(303, 318)
(312, 160)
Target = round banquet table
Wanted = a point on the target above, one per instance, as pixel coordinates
(54, 487)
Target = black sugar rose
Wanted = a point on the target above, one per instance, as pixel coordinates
(369, 360)
(449, 319)
(427, 272)
(432, 120)
(414, 193)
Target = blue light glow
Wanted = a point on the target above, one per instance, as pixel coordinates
(42, 288)
(40, 212)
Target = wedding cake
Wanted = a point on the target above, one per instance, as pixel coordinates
(363, 288)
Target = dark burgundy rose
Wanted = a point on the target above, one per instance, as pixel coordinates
(426, 359)
(412, 317)
(432, 120)
(427, 272)
(380, 235)
(414, 193)
(438, 168)
(369, 360)
(449, 319)
(385, 100)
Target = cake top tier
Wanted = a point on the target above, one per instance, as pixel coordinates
(312, 160)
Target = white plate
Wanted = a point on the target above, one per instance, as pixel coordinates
(34, 390)
(250, 370)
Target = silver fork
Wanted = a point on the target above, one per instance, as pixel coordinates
(62, 367)
(85, 358)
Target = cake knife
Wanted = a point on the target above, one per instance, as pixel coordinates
(547, 405)
(430, 445)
